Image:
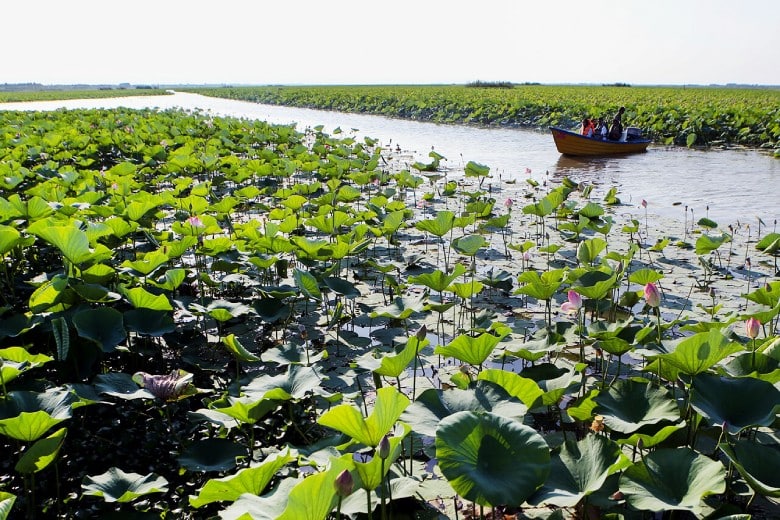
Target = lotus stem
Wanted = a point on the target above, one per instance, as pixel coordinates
(368, 503)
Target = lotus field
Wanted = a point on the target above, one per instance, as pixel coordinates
(685, 116)
(209, 317)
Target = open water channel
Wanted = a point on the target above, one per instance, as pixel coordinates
(728, 186)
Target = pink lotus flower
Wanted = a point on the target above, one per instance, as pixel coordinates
(574, 304)
(652, 296)
(195, 221)
(752, 327)
(644, 203)
(508, 203)
(528, 171)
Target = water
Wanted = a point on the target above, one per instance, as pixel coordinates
(728, 186)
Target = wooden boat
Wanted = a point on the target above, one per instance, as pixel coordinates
(574, 143)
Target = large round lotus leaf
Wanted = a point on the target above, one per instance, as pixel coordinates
(579, 469)
(491, 460)
(102, 325)
(669, 479)
(628, 405)
(734, 401)
(757, 463)
(433, 405)
(211, 455)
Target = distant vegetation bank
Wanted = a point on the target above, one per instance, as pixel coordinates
(701, 116)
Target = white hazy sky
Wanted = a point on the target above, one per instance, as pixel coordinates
(390, 42)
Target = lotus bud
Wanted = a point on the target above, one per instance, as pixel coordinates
(421, 333)
(574, 303)
(652, 296)
(383, 450)
(640, 444)
(752, 327)
(303, 332)
(344, 483)
(644, 203)
(508, 203)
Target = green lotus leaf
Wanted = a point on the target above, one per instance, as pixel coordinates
(252, 480)
(149, 322)
(140, 298)
(9, 238)
(474, 169)
(48, 294)
(341, 286)
(644, 276)
(698, 353)
(148, 264)
(595, 284)
(438, 280)
(757, 463)
(401, 308)
(390, 403)
(307, 284)
(672, 479)
(589, 250)
(245, 410)
(296, 383)
(439, 226)
(237, 349)
(523, 388)
(28, 426)
(370, 474)
(651, 435)
(103, 325)
(392, 365)
(706, 244)
(733, 402)
(628, 405)
(17, 360)
(117, 486)
(578, 469)
(42, 453)
(314, 497)
(211, 455)
(72, 242)
(6, 504)
(433, 405)
(469, 245)
(541, 287)
(470, 349)
(120, 385)
(491, 460)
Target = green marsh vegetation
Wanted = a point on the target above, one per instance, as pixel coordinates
(53, 95)
(685, 116)
(210, 317)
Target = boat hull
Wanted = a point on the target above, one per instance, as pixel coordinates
(572, 143)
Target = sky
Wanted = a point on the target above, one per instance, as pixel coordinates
(319, 42)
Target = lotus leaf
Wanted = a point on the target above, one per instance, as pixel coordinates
(491, 460)
(628, 405)
(757, 463)
(390, 403)
(252, 480)
(42, 453)
(433, 405)
(672, 479)
(732, 401)
(116, 485)
(578, 469)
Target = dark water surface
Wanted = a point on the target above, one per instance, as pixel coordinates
(728, 186)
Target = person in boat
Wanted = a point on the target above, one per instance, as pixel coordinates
(616, 130)
(602, 129)
(588, 127)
